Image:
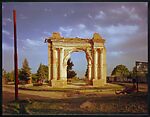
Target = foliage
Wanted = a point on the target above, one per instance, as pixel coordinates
(141, 75)
(10, 76)
(42, 72)
(70, 72)
(86, 73)
(25, 72)
(34, 77)
(138, 74)
(120, 71)
(4, 73)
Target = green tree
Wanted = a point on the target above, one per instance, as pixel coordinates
(34, 77)
(120, 71)
(42, 72)
(10, 76)
(25, 72)
(4, 73)
(142, 76)
(70, 72)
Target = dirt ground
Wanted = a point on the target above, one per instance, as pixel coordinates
(74, 101)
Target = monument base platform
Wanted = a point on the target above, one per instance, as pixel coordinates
(98, 82)
(58, 83)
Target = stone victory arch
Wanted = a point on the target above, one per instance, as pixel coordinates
(59, 50)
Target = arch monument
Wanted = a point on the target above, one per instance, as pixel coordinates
(59, 50)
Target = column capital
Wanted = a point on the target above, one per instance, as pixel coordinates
(101, 49)
(95, 50)
(60, 48)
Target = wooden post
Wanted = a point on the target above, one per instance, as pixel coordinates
(137, 81)
(15, 57)
(137, 78)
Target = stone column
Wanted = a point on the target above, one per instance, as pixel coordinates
(49, 62)
(55, 64)
(104, 65)
(61, 71)
(101, 64)
(65, 72)
(89, 72)
(95, 64)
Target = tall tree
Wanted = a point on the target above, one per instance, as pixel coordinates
(42, 72)
(25, 72)
(121, 71)
(70, 72)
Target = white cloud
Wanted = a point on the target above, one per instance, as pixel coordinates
(5, 32)
(6, 20)
(65, 15)
(69, 13)
(72, 11)
(66, 30)
(33, 43)
(122, 29)
(100, 15)
(118, 30)
(9, 19)
(5, 46)
(22, 16)
(47, 33)
(116, 11)
(124, 10)
(115, 53)
(79, 30)
(89, 15)
(47, 10)
(81, 26)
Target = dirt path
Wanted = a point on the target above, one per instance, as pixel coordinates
(9, 94)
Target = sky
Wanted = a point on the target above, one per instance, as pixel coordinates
(123, 25)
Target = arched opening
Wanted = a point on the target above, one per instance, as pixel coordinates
(80, 62)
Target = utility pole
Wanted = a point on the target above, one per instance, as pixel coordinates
(15, 57)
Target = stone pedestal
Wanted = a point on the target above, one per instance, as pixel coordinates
(58, 83)
(98, 82)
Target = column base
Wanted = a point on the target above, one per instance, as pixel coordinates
(89, 82)
(98, 82)
(58, 83)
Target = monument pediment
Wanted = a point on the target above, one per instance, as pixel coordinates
(97, 38)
